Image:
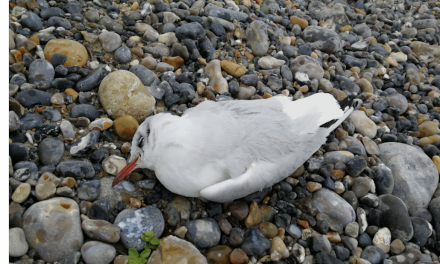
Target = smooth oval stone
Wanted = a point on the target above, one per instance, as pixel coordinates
(51, 151)
(18, 245)
(41, 73)
(331, 204)
(415, 174)
(77, 169)
(148, 218)
(101, 230)
(31, 21)
(395, 216)
(203, 233)
(84, 110)
(53, 228)
(97, 252)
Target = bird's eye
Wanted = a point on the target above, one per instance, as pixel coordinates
(141, 142)
(148, 132)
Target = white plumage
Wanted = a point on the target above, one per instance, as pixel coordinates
(226, 150)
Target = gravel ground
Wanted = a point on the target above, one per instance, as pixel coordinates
(84, 74)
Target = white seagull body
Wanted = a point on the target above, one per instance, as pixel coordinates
(226, 150)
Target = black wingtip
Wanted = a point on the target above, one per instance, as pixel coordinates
(346, 102)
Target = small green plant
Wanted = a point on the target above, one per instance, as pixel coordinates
(142, 258)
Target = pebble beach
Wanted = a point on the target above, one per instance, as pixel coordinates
(83, 75)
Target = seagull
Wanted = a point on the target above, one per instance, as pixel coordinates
(223, 151)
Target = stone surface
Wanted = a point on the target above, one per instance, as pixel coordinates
(53, 228)
(18, 245)
(216, 79)
(175, 250)
(134, 222)
(95, 252)
(203, 233)
(415, 175)
(75, 52)
(395, 217)
(256, 34)
(122, 93)
(331, 204)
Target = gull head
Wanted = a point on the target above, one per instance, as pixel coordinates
(141, 149)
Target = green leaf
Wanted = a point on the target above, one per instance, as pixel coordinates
(154, 241)
(133, 253)
(146, 253)
(149, 234)
(132, 260)
(143, 261)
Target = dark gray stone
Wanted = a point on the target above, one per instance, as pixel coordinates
(50, 151)
(203, 233)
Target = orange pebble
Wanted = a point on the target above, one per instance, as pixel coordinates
(35, 39)
(40, 109)
(18, 56)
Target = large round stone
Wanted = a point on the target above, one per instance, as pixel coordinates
(75, 52)
(415, 174)
(122, 93)
(333, 205)
(53, 228)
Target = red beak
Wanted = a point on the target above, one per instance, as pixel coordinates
(124, 172)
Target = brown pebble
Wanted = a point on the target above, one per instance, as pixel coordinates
(254, 217)
(302, 223)
(219, 255)
(125, 127)
(238, 256)
(135, 203)
(126, 147)
(269, 230)
(69, 182)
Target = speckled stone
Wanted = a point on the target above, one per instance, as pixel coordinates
(134, 222)
(331, 204)
(53, 228)
(203, 233)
